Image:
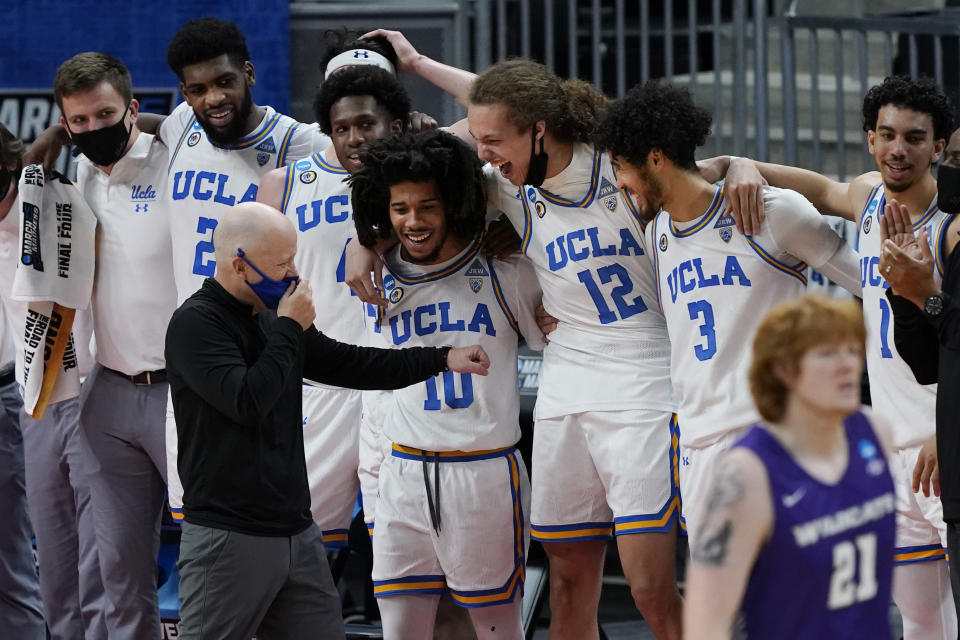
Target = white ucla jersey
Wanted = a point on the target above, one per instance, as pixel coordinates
(714, 286)
(896, 395)
(205, 180)
(316, 198)
(610, 350)
(470, 299)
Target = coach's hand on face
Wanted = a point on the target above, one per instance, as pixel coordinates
(297, 304)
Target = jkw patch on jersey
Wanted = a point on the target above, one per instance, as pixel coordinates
(608, 194)
(725, 220)
(266, 146)
(477, 269)
(193, 139)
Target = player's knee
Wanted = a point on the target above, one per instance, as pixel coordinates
(654, 600)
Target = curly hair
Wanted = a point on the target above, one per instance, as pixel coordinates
(651, 116)
(204, 39)
(791, 329)
(339, 40)
(362, 80)
(531, 92)
(431, 155)
(86, 71)
(918, 94)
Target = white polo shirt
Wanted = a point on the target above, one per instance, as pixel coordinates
(133, 292)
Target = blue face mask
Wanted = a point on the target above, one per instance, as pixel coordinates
(269, 291)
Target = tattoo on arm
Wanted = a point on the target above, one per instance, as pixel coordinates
(711, 547)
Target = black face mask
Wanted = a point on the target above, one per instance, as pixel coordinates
(103, 146)
(948, 189)
(7, 179)
(537, 170)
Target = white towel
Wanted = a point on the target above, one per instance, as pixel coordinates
(55, 275)
(57, 240)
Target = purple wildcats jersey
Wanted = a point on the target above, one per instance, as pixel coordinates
(826, 571)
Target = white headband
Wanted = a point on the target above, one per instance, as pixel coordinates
(353, 57)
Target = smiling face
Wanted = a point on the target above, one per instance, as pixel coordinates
(903, 145)
(641, 184)
(499, 142)
(356, 121)
(419, 217)
(219, 93)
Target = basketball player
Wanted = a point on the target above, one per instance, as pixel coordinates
(356, 106)
(121, 174)
(907, 123)
(798, 529)
(220, 145)
(712, 281)
(452, 513)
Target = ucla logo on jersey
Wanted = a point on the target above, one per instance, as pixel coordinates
(141, 197)
(725, 234)
(663, 242)
(193, 139)
(608, 194)
(867, 223)
(266, 146)
(308, 176)
(540, 208)
(396, 295)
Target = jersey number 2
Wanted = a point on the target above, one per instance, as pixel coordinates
(849, 559)
(203, 265)
(432, 403)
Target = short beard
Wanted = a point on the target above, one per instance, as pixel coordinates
(236, 129)
(431, 257)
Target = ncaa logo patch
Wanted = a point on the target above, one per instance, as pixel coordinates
(302, 165)
(867, 223)
(396, 295)
(541, 208)
(308, 176)
(193, 139)
(663, 242)
(388, 283)
(531, 194)
(726, 234)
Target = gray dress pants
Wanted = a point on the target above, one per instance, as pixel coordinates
(20, 606)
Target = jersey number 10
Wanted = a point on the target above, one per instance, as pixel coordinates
(464, 400)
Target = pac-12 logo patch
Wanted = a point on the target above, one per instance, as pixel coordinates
(541, 208)
(663, 242)
(263, 158)
(608, 194)
(476, 284)
(725, 234)
(308, 176)
(193, 139)
(867, 223)
(396, 295)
